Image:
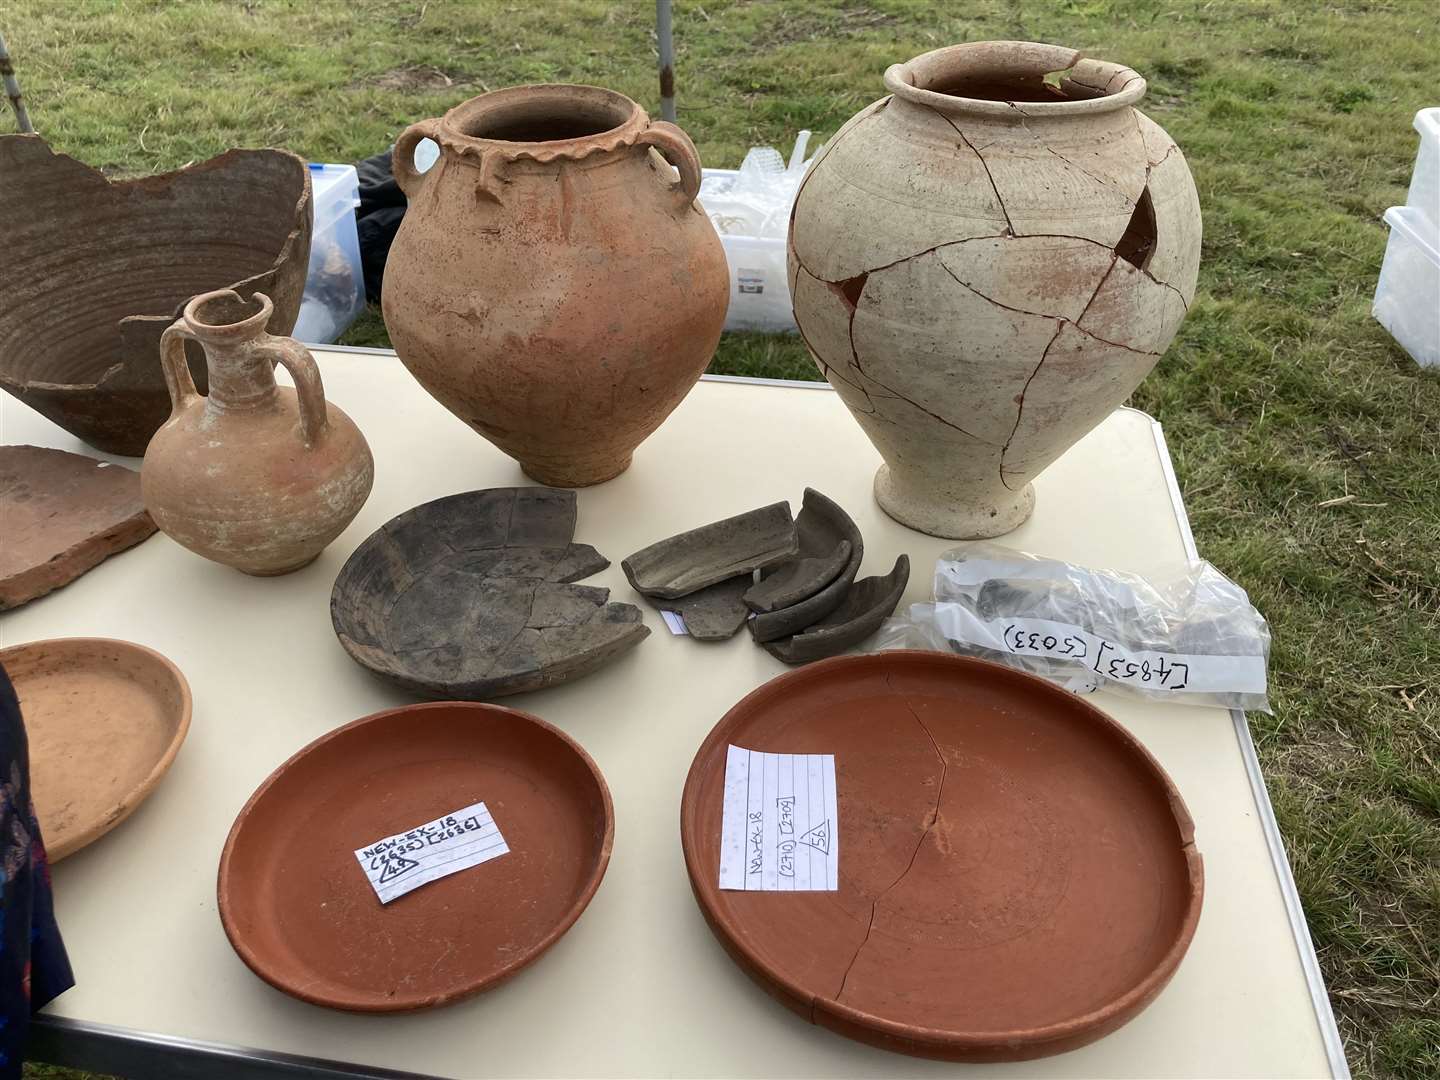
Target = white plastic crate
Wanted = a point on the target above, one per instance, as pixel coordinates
(1425, 180)
(1407, 297)
(759, 288)
(335, 281)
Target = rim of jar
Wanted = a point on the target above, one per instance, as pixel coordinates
(1079, 85)
(616, 119)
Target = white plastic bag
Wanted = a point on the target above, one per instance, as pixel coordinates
(1191, 637)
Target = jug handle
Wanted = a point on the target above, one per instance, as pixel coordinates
(675, 146)
(402, 159)
(176, 366)
(308, 387)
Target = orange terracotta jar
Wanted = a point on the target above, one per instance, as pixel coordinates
(553, 284)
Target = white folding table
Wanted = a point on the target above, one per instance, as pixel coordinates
(638, 987)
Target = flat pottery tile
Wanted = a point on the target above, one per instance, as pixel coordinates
(105, 719)
(470, 597)
(63, 514)
(715, 612)
(713, 553)
(1017, 875)
(821, 526)
(865, 607)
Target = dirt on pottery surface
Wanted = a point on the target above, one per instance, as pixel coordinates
(471, 597)
(553, 284)
(105, 720)
(253, 475)
(62, 514)
(985, 264)
(1017, 875)
(80, 327)
(298, 908)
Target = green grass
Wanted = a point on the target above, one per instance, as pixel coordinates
(1279, 394)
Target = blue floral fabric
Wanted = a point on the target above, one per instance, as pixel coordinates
(33, 964)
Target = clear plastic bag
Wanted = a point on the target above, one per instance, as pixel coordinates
(1191, 637)
(756, 201)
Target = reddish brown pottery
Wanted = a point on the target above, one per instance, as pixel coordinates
(553, 284)
(97, 269)
(1018, 876)
(300, 912)
(256, 476)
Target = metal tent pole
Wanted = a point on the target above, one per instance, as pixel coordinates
(12, 85)
(667, 60)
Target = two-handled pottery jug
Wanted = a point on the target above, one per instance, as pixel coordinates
(253, 475)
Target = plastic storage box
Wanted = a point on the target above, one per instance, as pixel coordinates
(1407, 298)
(1425, 180)
(759, 288)
(335, 282)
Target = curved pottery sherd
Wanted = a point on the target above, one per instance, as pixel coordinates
(253, 475)
(865, 607)
(719, 551)
(985, 265)
(103, 267)
(1018, 875)
(469, 597)
(553, 285)
(105, 719)
(822, 525)
(300, 912)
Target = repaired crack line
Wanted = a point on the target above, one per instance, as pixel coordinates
(929, 827)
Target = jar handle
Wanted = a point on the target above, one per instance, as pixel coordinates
(402, 158)
(676, 147)
(175, 365)
(308, 388)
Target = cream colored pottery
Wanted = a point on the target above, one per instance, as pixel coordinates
(987, 263)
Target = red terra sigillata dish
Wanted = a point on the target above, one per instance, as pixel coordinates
(1017, 874)
(300, 911)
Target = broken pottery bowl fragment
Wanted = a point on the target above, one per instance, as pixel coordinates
(108, 264)
(714, 613)
(713, 553)
(794, 581)
(865, 607)
(470, 597)
(821, 526)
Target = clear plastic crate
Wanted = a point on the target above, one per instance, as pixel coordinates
(335, 281)
(1407, 297)
(759, 287)
(1425, 180)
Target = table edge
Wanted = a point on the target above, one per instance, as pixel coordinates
(1274, 842)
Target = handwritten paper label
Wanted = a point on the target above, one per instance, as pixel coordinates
(397, 864)
(1194, 673)
(779, 827)
(675, 622)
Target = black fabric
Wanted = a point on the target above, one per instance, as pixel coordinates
(382, 206)
(33, 965)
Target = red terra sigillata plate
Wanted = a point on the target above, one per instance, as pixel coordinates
(1017, 875)
(300, 911)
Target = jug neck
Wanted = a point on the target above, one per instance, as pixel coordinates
(232, 331)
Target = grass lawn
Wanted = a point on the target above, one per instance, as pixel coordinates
(1279, 396)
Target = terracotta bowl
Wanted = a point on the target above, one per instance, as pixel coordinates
(1018, 876)
(100, 268)
(104, 719)
(301, 913)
